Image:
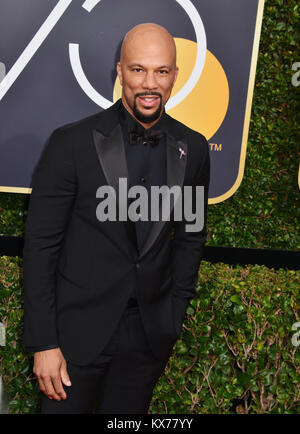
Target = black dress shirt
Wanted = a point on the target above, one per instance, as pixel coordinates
(146, 165)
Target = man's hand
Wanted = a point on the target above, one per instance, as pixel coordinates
(50, 368)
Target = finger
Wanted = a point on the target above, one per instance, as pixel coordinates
(42, 387)
(65, 376)
(50, 389)
(58, 387)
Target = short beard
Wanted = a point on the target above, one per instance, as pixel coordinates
(144, 118)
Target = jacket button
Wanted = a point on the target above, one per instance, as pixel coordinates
(137, 265)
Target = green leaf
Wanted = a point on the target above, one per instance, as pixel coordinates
(235, 299)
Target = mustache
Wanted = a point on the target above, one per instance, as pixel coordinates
(148, 93)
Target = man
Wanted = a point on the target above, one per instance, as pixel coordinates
(105, 300)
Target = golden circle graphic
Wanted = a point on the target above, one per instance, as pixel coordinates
(204, 109)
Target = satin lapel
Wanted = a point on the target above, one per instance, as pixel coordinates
(176, 165)
(111, 153)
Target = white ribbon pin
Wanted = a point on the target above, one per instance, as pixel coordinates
(182, 152)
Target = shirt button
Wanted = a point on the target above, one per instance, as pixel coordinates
(143, 179)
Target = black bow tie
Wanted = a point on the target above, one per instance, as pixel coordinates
(145, 137)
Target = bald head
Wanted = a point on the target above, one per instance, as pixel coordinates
(147, 71)
(145, 34)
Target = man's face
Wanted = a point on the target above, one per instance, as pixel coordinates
(147, 74)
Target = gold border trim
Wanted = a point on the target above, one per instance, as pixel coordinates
(233, 189)
(15, 190)
(255, 50)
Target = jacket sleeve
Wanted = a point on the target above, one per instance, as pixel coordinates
(188, 245)
(54, 189)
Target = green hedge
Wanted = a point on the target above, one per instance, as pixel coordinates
(265, 211)
(235, 353)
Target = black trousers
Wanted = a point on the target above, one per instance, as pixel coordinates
(120, 381)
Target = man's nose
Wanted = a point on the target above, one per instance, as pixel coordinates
(150, 82)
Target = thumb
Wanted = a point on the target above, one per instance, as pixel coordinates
(64, 375)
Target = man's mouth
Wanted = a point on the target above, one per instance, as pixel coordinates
(149, 101)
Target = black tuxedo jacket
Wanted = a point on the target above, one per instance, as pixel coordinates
(79, 272)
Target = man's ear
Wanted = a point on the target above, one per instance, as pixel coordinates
(119, 72)
(176, 74)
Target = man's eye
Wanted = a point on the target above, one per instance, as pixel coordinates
(163, 71)
(137, 69)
